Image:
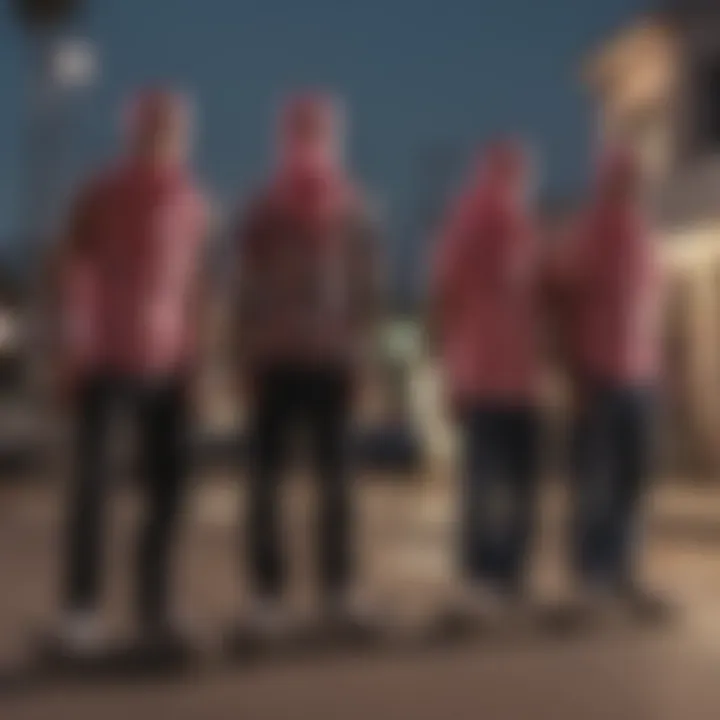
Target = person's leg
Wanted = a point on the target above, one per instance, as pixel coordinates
(84, 549)
(84, 546)
(480, 562)
(164, 423)
(633, 440)
(328, 408)
(592, 462)
(270, 423)
(521, 461)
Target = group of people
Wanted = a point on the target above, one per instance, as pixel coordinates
(307, 291)
(503, 297)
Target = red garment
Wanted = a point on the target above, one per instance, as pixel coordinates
(129, 294)
(307, 256)
(613, 282)
(485, 288)
(614, 292)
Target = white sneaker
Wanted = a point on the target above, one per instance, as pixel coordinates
(268, 619)
(81, 633)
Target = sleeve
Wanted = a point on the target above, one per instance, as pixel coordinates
(446, 259)
(246, 236)
(79, 229)
(200, 265)
(446, 276)
(368, 271)
(64, 264)
(567, 281)
(569, 263)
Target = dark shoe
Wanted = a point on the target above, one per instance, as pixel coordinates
(163, 646)
(351, 620)
(645, 605)
(474, 609)
(592, 604)
(266, 627)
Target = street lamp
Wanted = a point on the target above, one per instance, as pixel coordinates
(56, 65)
(43, 22)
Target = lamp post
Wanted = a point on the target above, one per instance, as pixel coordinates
(56, 65)
(43, 22)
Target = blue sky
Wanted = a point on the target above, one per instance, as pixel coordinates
(416, 73)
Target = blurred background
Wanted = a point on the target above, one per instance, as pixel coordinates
(425, 84)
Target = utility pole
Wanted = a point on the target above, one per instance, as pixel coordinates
(43, 22)
(57, 65)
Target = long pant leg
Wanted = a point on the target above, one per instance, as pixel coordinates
(162, 407)
(521, 462)
(271, 420)
(633, 447)
(592, 470)
(479, 530)
(328, 408)
(85, 529)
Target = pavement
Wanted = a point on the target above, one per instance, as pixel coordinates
(405, 556)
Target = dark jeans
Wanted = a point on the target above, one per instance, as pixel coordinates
(317, 401)
(500, 449)
(611, 464)
(160, 409)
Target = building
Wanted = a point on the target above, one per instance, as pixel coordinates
(656, 86)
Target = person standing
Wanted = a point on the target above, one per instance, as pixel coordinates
(484, 307)
(306, 301)
(127, 282)
(611, 282)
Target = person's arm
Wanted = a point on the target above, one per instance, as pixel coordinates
(444, 277)
(370, 276)
(200, 293)
(62, 263)
(71, 249)
(244, 278)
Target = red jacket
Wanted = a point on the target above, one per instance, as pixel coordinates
(485, 286)
(128, 297)
(612, 285)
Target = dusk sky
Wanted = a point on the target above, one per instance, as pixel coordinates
(415, 73)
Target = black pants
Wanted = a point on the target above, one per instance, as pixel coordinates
(612, 462)
(161, 412)
(317, 401)
(499, 492)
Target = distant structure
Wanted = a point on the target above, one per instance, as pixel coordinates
(57, 66)
(656, 86)
(53, 67)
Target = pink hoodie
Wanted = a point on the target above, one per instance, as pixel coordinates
(130, 289)
(611, 274)
(307, 260)
(484, 287)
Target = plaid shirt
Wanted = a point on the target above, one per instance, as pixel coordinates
(302, 294)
